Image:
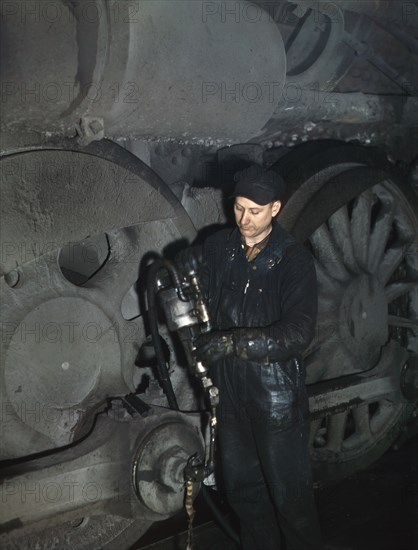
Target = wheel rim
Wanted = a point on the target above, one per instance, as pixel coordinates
(367, 278)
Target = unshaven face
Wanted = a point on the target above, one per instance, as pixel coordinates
(254, 220)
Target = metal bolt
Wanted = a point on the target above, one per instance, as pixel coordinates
(187, 152)
(12, 278)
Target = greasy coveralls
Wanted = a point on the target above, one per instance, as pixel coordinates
(269, 307)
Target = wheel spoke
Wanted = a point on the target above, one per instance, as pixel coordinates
(327, 319)
(391, 259)
(336, 430)
(314, 427)
(339, 224)
(361, 417)
(328, 254)
(396, 321)
(360, 227)
(327, 327)
(325, 282)
(362, 433)
(395, 290)
(383, 414)
(379, 236)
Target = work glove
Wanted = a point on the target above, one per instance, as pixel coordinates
(189, 260)
(214, 346)
(251, 344)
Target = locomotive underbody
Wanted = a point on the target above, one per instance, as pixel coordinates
(122, 125)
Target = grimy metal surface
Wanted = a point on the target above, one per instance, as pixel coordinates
(72, 344)
(82, 218)
(96, 476)
(224, 71)
(128, 64)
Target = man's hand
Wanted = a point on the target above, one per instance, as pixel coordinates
(251, 344)
(213, 346)
(189, 259)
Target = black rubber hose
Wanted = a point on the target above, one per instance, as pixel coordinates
(164, 376)
(175, 278)
(229, 531)
(162, 370)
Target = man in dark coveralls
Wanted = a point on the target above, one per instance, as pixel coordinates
(261, 289)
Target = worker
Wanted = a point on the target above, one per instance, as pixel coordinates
(260, 285)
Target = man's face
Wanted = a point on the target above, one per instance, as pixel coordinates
(254, 220)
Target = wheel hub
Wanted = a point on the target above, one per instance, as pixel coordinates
(62, 347)
(159, 465)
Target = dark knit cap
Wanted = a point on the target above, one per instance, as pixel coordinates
(258, 185)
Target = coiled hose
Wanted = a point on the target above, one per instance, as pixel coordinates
(162, 370)
(164, 375)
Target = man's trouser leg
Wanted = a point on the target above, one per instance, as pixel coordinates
(243, 478)
(286, 466)
(265, 461)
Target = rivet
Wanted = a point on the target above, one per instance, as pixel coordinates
(12, 278)
(187, 152)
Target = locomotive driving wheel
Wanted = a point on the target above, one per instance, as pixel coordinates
(83, 218)
(360, 221)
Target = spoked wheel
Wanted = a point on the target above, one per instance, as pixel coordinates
(361, 224)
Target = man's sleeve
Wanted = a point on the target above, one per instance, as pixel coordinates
(299, 302)
(290, 336)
